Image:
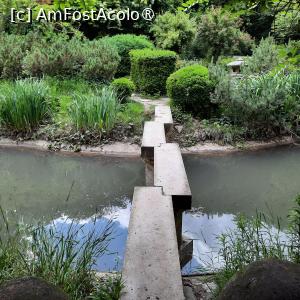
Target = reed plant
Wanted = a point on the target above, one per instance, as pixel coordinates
(24, 105)
(95, 111)
(254, 239)
(66, 259)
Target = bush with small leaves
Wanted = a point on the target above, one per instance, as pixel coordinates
(124, 44)
(124, 88)
(151, 68)
(101, 61)
(190, 89)
(219, 33)
(173, 31)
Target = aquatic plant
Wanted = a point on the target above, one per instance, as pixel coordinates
(255, 239)
(24, 105)
(95, 111)
(65, 259)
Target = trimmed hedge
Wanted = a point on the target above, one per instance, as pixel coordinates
(151, 68)
(190, 89)
(124, 44)
(124, 88)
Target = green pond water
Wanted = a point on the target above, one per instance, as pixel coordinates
(62, 188)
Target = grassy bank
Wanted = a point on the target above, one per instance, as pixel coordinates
(67, 111)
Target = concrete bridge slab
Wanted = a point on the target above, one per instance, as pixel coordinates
(153, 136)
(151, 267)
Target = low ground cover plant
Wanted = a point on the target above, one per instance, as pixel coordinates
(150, 70)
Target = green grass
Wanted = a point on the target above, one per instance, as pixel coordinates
(24, 105)
(63, 106)
(63, 259)
(95, 111)
(131, 112)
(62, 91)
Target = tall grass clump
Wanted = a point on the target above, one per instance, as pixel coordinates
(24, 105)
(94, 111)
(255, 239)
(65, 259)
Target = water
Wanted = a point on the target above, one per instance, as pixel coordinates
(60, 188)
(265, 181)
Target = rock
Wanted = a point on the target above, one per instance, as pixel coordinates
(269, 279)
(179, 128)
(30, 288)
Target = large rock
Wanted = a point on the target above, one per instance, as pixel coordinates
(30, 288)
(264, 280)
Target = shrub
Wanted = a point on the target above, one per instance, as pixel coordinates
(101, 61)
(124, 88)
(218, 34)
(60, 57)
(124, 44)
(267, 105)
(24, 105)
(190, 89)
(92, 60)
(95, 111)
(173, 31)
(264, 58)
(151, 68)
(12, 51)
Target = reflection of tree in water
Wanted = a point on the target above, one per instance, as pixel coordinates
(45, 186)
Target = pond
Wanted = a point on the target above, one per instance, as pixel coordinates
(62, 188)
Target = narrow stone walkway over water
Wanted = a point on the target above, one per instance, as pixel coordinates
(155, 249)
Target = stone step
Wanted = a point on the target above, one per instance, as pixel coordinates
(151, 267)
(170, 174)
(153, 136)
(163, 115)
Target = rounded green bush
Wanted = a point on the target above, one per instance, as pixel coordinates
(151, 68)
(124, 44)
(190, 89)
(124, 87)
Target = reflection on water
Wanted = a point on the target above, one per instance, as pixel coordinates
(265, 181)
(54, 187)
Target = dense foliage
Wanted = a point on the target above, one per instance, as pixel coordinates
(24, 105)
(267, 105)
(173, 31)
(218, 33)
(150, 70)
(124, 44)
(124, 88)
(94, 111)
(190, 89)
